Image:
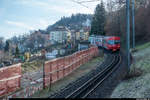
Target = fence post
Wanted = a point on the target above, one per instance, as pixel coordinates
(50, 81)
(64, 67)
(19, 82)
(50, 76)
(68, 64)
(72, 63)
(75, 61)
(43, 74)
(57, 61)
(82, 55)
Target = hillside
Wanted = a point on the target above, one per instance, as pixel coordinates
(76, 21)
(137, 86)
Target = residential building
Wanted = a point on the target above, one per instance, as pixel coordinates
(59, 34)
(84, 33)
(1, 55)
(77, 35)
(47, 41)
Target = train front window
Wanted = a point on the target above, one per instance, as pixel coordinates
(111, 42)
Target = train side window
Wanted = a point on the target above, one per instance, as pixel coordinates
(117, 42)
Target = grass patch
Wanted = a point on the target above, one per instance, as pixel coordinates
(134, 72)
(140, 47)
(31, 66)
(142, 61)
(42, 92)
(96, 60)
(144, 64)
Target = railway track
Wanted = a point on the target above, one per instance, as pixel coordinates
(85, 86)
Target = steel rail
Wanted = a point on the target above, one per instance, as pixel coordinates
(91, 83)
(99, 83)
(67, 88)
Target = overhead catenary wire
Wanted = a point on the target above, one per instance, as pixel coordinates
(81, 3)
(88, 1)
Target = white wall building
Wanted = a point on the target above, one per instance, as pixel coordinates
(59, 35)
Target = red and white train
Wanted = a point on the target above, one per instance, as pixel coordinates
(111, 43)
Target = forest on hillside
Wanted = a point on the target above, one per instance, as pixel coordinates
(116, 19)
(75, 21)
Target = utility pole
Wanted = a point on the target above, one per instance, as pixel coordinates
(133, 21)
(128, 30)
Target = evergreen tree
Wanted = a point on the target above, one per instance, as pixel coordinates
(6, 46)
(98, 22)
(1, 43)
(17, 52)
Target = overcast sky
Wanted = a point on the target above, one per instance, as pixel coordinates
(20, 16)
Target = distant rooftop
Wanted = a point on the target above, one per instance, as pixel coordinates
(60, 28)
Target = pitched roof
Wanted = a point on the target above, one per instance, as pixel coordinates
(60, 28)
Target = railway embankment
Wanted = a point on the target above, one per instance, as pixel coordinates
(136, 85)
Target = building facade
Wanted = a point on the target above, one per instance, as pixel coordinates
(59, 35)
(84, 33)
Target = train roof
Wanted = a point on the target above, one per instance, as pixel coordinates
(112, 37)
(96, 36)
(105, 37)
